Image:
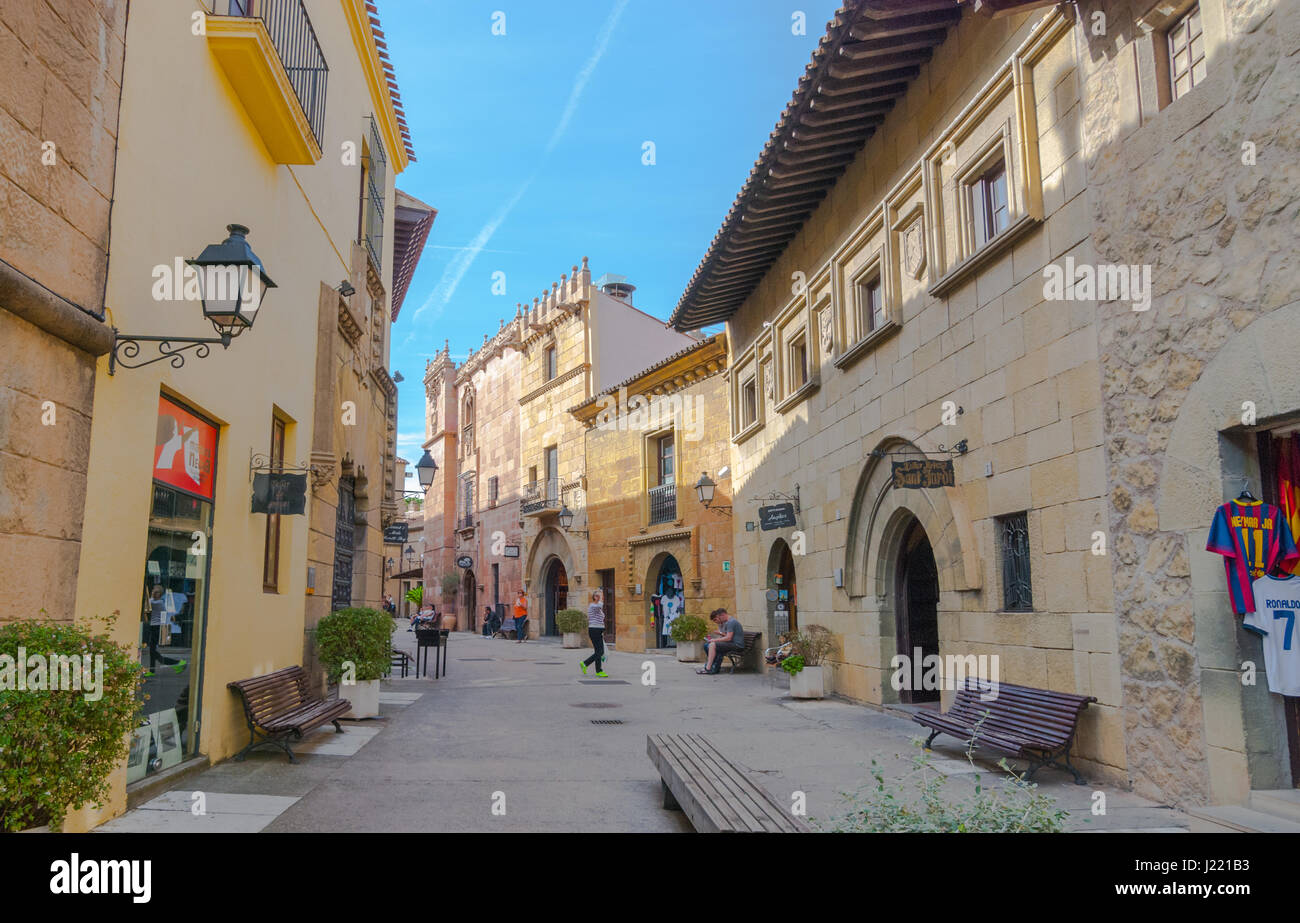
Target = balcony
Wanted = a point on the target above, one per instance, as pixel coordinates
(465, 522)
(269, 53)
(541, 497)
(663, 503)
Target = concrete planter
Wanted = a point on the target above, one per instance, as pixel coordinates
(364, 696)
(690, 651)
(572, 639)
(808, 683)
(44, 828)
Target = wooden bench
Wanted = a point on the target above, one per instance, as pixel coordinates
(738, 658)
(1037, 725)
(717, 795)
(279, 706)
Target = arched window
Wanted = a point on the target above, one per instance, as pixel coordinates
(467, 424)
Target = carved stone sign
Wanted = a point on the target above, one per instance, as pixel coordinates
(824, 322)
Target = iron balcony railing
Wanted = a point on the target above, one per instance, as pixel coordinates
(295, 42)
(663, 503)
(465, 522)
(540, 496)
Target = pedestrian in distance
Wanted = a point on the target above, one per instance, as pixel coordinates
(596, 631)
(521, 618)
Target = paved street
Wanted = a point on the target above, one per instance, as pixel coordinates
(517, 719)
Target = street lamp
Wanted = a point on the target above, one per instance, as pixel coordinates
(566, 520)
(704, 488)
(232, 284)
(425, 469)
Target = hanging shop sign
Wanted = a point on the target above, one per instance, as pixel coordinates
(397, 533)
(780, 516)
(278, 494)
(920, 473)
(464, 562)
(512, 551)
(185, 450)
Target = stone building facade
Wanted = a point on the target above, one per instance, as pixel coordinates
(488, 527)
(918, 312)
(442, 428)
(648, 440)
(576, 340)
(1204, 187)
(60, 85)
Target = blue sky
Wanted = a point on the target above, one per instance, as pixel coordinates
(530, 145)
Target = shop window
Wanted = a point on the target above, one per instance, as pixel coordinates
(1013, 548)
(748, 403)
(1185, 49)
(990, 212)
(271, 551)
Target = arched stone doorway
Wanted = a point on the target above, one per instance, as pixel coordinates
(545, 551)
(916, 606)
(783, 591)
(555, 594)
(665, 597)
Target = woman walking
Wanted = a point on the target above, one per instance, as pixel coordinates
(596, 630)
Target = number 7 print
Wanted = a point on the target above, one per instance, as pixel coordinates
(1290, 625)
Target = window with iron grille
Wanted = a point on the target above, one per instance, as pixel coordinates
(1013, 547)
(375, 176)
(493, 490)
(466, 501)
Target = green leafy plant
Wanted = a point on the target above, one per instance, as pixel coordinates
(1014, 806)
(416, 594)
(450, 585)
(793, 664)
(57, 747)
(688, 628)
(363, 637)
(814, 645)
(571, 621)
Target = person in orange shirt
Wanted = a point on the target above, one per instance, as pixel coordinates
(521, 618)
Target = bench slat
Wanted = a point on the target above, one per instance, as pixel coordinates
(734, 816)
(697, 797)
(750, 799)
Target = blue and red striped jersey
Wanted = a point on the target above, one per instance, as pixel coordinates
(1253, 538)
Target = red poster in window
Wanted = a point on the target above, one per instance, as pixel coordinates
(185, 450)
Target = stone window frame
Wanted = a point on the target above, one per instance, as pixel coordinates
(794, 321)
(1018, 137)
(875, 268)
(847, 325)
(745, 369)
(1152, 49)
(550, 357)
(494, 490)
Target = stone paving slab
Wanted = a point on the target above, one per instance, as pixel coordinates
(172, 812)
(522, 726)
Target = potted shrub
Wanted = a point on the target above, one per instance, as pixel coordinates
(355, 645)
(572, 623)
(809, 649)
(58, 747)
(450, 586)
(689, 631)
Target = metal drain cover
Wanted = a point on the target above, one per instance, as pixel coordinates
(595, 705)
(606, 720)
(549, 663)
(472, 659)
(604, 682)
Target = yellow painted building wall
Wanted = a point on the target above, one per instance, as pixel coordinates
(190, 161)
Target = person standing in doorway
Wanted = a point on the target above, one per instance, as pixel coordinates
(596, 630)
(521, 618)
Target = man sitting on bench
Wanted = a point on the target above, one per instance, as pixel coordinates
(731, 638)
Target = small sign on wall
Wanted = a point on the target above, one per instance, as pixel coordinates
(726, 566)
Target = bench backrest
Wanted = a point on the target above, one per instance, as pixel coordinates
(273, 694)
(1046, 715)
(751, 638)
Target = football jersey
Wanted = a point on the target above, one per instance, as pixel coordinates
(1288, 486)
(1277, 609)
(1253, 538)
